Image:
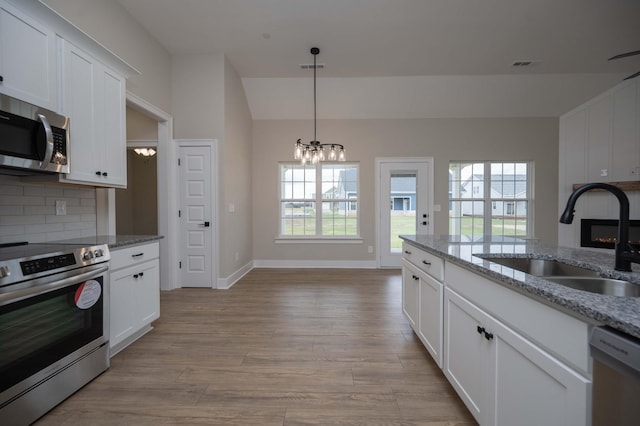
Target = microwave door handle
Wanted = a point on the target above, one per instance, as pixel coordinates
(48, 153)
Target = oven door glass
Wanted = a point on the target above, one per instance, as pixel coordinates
(40, 330)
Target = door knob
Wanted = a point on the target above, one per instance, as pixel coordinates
(206, 224)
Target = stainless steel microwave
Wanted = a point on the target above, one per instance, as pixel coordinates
(32, 138)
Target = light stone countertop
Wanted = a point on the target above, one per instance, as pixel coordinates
(621, 313)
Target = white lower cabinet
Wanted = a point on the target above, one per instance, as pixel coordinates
(422, 297)
(511, 359)
(135, 294)
(410, 294)
(503, 378)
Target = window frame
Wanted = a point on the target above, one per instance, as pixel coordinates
(490, 203)
(318, 200)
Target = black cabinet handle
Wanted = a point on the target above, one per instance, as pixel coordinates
(487, 335)
(135, 276)
(426, 263)
(104, 173)
(415, 277)
(407, 252)
(137, 255)
(1, 79)
(98, 173)
(141, 274)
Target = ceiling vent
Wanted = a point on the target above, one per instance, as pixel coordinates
(521, 64)
(310, 66)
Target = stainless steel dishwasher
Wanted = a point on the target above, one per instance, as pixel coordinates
(616, 378)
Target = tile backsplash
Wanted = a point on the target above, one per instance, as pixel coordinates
(28, 211)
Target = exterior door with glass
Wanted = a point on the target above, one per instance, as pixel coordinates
(405, 199)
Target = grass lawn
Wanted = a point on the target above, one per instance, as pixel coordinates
(339, 224)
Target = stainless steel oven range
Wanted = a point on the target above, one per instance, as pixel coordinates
(53, 325)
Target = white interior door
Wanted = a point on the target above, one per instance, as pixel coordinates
(196, 219)
(405, 198)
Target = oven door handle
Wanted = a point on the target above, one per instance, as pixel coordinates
(38, 288)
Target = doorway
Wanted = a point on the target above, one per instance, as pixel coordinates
(404, 202)
(196, 215)
(137, 204)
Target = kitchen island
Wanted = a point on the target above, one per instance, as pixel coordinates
(514, 346)
(621, 313)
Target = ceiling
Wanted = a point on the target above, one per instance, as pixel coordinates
(417, 47)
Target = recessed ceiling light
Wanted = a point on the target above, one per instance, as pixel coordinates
(527, 63)
(310, 66)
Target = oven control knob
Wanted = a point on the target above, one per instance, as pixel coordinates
(98, 253)
(87, 255)
(4, 271)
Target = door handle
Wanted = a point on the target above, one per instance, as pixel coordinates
(206, 224)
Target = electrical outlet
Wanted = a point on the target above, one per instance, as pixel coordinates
(634, 171)
(61, 208)
(237, 256)
(370, 249)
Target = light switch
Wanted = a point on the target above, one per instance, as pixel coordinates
(232, 207)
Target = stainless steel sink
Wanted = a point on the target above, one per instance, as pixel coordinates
(567, 275)
(542, 267)
(606, 286)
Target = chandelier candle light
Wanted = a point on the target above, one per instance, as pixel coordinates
(314, 151)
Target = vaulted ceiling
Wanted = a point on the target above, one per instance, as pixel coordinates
(407, 58)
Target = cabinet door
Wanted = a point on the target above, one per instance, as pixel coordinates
(410, 294)
(122, 306)
(532, 387)
(27, 59)
(430, 316)
(94, 98)
(467, 354)
(147, 292)
(79, 103)
(110, 127)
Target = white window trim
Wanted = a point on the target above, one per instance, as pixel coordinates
(320, 239)
(488, 200)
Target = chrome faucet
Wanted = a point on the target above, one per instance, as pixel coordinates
(624, 252)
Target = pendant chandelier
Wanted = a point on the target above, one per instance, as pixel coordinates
(315, 152)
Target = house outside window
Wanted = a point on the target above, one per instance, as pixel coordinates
(490, 198)
(319, 201)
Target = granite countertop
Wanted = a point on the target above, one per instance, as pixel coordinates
(621, 313)
(114, 241)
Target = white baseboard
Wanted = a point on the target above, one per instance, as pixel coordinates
(227, 283)
(341, 264)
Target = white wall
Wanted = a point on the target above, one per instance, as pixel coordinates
(209, 103)
(507, 139)
(235, 234)
(112, 26)
(601, 135)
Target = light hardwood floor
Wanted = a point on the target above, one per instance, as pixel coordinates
(281, 347)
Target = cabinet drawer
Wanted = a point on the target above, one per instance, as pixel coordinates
(429, 263)
(121, 258)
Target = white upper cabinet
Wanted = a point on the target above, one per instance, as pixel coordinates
(28, 64)
(94, 97)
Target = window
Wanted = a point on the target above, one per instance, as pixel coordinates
(319, 200)
(490, 198)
